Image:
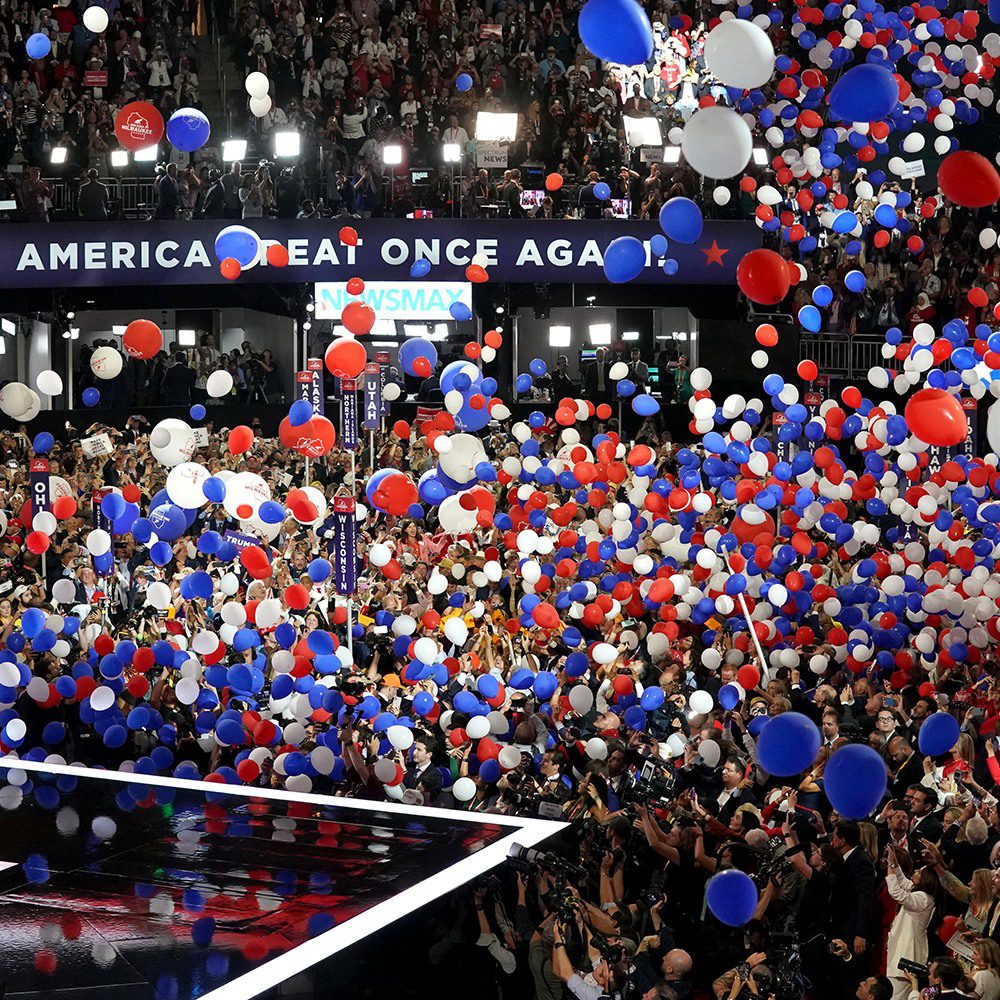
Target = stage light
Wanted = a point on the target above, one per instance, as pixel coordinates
(118, 331)
(642, 131)
(58, 155)
(119, 158)
(392, 155)
(147, 155)
(760, 156)
(233, 149)
(70, 314)
(310, 306)
(600, 334)
(306, 325)
(560, 336)
(8, 326)
(671, 154)
(630, 335)
(186, 338)
(452, 152)
(287, 144)
(492, 126)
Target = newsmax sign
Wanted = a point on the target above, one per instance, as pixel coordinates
(423, 300)
(515, 250)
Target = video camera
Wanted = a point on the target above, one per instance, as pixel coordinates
(656, 782)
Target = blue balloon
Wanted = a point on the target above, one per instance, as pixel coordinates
(168, 521)
(788, 745)
(319, 570)
(214, 489)
(855, 281)
(91, 397)
(658, 245)
(38, 45)
(645, 405)
(865, 93)
(810, 318)
(188, 129)
(197, 412)
(729, 696)
(238, 242)
(300, 412)
(113, 506)
(272, 512)
(617, 31)
(460, 312)
(463, 82)
(681, 220)
(854, 780)
(601, 191)
(938, 734)
(418, 347)
(822, 295)
(652, 698)
(420, 268)
(732, 897)
(42, 443)
(625, 257)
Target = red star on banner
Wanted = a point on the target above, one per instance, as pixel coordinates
(714, 254)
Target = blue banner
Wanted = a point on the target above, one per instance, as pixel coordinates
(39, 474)
(241, 541)
(516, 250)
(345, 560)
(373, 397)
(97, 516)
(349, 413)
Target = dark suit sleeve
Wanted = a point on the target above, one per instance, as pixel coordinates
(864, 896)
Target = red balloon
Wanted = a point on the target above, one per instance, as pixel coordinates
(969, 179)
(748, 677)
(64, 507)
(947, 929)
(230, 269)
(476, 273)
(401, 429)
(254, 560)
(349, 236)
(240, 440)
(248, 770)
(346, 358)
(297, 597)
(142, 339)
(358, 317)
(545, 616)
(807, 370)
(395, 494)
(315, 438)
(763, 277)
(767, 335)
(746, 532)
(936, 417)
(553, 182)
(355, 286)
(37, 542)
(277, 255)
(138, 125)
(422, 367)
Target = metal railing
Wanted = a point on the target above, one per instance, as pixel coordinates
(842, 356)
(131, 197)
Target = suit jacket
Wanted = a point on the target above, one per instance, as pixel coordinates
(740, 797)
(908, 774)
(853, 898)
(928, 827)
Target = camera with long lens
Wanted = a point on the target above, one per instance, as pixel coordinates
(655, 782)
(772, 863)
(784, 959)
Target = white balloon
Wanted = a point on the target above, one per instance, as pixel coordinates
(49, 383)
(425, 650)
(257, 84)
(618, 371)
(187, 690)
(15, 399)
(379, 554)
(717, 142)
(101, 699)
(219, 384)
(98, 542)
(509, 757)
(478, 727)
(401, 737)
(95, 19)
(710, 752)
(596, 749)
(158, 595)
(700, 702)
(456, 631)
(64, 591)
(184, 485)
(464, 789)
(581, 698)
(722, 195)
(259, 106)
(739, 54)
(106, 362)
(45, 522)
(172, 442)
(391, 392)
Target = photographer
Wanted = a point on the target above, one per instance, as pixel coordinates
(604, 975)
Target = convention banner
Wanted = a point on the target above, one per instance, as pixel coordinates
(97, 516)
(241, 541)
(373, 397)
(382, 359)
(315, 365)
(345, 564)
(39, 474)
(349, 413)
(516, 250)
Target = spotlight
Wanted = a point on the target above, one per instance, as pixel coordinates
(307, 325)
(642, 131)
(452, 152)
(310, 306)
(147, 155)
(392, 155)
(494, 126)
(760, 156)
(234, 149)
(119, 158)
(499, 310)
(560, 336)
(600, 334)
(58, 155)
(671, 154)
(630, 335)
(70, 314)
(287, 144)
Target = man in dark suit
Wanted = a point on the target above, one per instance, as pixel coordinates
(596, 379)
(732, 795)
(421, 772)
(854, 893)
(923, 823)
(908, 768)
